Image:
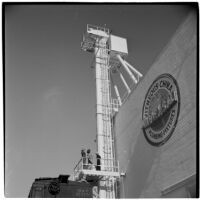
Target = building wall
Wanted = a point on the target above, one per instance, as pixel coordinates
(151, 170)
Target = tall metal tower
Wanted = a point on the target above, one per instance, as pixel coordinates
(109, 52)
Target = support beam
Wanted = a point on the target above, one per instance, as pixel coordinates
(126, 85)
(126, 68)
(117, 94)
(135, 70)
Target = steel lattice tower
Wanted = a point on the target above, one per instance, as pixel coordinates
(109, 52)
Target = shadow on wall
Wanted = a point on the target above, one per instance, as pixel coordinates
(139, 167)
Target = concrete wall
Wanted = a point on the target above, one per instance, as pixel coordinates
(150, 170)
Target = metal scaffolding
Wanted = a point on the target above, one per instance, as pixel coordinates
(109, 53)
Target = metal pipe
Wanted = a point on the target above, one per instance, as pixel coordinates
(126, 85)
(126, 68)
(135, 70)
(117, 94)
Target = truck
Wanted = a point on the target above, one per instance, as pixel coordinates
(60, 187)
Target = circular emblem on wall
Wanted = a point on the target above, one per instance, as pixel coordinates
(54, 188)
(161, 110)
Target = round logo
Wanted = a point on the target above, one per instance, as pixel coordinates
(161, 109)
(54, 188)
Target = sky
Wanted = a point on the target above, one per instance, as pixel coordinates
(50, 85)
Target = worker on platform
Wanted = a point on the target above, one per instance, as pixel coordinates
(98, 165)
(84, 159)
(89, 158)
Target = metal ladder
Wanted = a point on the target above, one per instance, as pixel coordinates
(106, 117)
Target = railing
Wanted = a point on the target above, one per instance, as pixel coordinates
(98, 28)
(106, 165)
(115, 104)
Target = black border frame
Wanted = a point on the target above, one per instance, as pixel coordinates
(193, 4)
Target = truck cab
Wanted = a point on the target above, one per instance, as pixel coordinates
(60, 187)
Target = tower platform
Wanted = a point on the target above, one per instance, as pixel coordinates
(92, 172)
